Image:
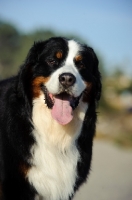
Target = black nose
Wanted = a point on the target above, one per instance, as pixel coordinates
(67, 79)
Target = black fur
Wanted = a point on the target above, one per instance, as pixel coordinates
(16, 127)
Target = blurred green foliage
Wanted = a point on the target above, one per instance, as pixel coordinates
(14, 47)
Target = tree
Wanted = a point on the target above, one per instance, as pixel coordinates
(9, 44)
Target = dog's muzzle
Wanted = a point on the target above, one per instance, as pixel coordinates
(63, 103)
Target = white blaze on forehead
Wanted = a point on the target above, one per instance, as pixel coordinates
(68, 66)
(74, 49)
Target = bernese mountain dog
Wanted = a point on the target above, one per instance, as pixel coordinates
(48, 120)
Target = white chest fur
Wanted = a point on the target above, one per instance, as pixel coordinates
(53, 174)
(55, 155)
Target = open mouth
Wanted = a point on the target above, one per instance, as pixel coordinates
(61, 105)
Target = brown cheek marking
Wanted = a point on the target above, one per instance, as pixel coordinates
(86, 95)
(24, 168)
(59, 55)
(36, 85)
(78, 58)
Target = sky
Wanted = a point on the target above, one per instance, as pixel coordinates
(104, 25)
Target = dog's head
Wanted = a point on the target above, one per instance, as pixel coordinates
(65, 71)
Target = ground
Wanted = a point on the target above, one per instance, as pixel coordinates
(111, 174)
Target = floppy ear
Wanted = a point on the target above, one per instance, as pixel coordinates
(97, 86)
(25, 74)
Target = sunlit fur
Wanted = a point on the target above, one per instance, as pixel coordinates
(40, 159)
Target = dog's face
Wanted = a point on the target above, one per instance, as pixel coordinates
(65, 71)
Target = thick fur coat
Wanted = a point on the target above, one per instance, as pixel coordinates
(48, 121)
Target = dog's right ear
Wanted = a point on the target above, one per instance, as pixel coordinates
(25, 73)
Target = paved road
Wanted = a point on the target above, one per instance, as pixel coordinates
(111, 175)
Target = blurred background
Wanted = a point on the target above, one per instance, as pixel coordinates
(106, 26)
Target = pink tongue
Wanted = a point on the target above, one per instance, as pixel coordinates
(62, 111)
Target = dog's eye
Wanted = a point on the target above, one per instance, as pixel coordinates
(52, 62)
(81, 65)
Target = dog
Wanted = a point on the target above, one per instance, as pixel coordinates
(48, 121)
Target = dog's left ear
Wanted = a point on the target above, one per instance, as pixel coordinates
(97, 86)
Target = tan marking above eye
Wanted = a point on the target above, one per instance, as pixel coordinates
(59, 54)
(78, 58)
